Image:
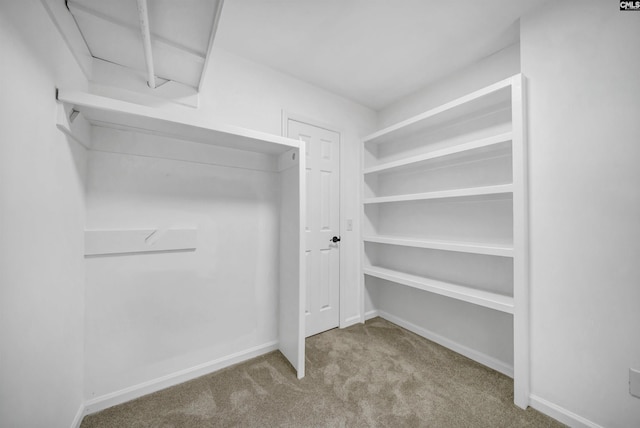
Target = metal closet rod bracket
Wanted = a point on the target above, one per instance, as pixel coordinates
(73, 113)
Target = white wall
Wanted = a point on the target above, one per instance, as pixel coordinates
(247, 94)
(500, 65)
(243, 93)
(151, 315)
(41, 223)
(582, 63)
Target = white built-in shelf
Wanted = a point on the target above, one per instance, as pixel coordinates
(490, 98)
(501, 189)
(467, 149)
(103, 111)
(476, 139)
(483, 298)
(490, 249)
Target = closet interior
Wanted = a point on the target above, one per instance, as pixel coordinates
(175, 204)
(443, 238)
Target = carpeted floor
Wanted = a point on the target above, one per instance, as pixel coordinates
(372, 375)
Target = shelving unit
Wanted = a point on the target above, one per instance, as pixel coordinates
(446, 183)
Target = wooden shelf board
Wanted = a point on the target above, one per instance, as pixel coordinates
(113, 113)
(470, 295)
(463, 247)
(443, 194)
(491, 96)
(460, 149)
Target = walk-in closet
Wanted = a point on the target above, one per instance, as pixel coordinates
(319, 213)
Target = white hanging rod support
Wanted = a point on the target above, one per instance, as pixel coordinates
(143, 15)
(73, 114)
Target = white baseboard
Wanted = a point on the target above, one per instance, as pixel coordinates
(484, 359)
(118, 397)
(77, 420)
(356, 319)
(371, 314)
(561, 414)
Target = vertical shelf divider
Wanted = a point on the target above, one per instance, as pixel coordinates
(521, 363)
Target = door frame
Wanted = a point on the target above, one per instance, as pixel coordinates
(286, 116)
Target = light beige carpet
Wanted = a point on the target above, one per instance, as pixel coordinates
(372, 375)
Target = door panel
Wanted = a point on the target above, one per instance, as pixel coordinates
(322, 224)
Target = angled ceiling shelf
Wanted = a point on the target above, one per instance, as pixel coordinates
(108, 112)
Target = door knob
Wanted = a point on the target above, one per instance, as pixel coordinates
(335, 239)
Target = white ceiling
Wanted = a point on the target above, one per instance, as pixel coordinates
(371, 51)
(180, 34)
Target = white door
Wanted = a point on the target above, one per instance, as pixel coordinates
(322, 225)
